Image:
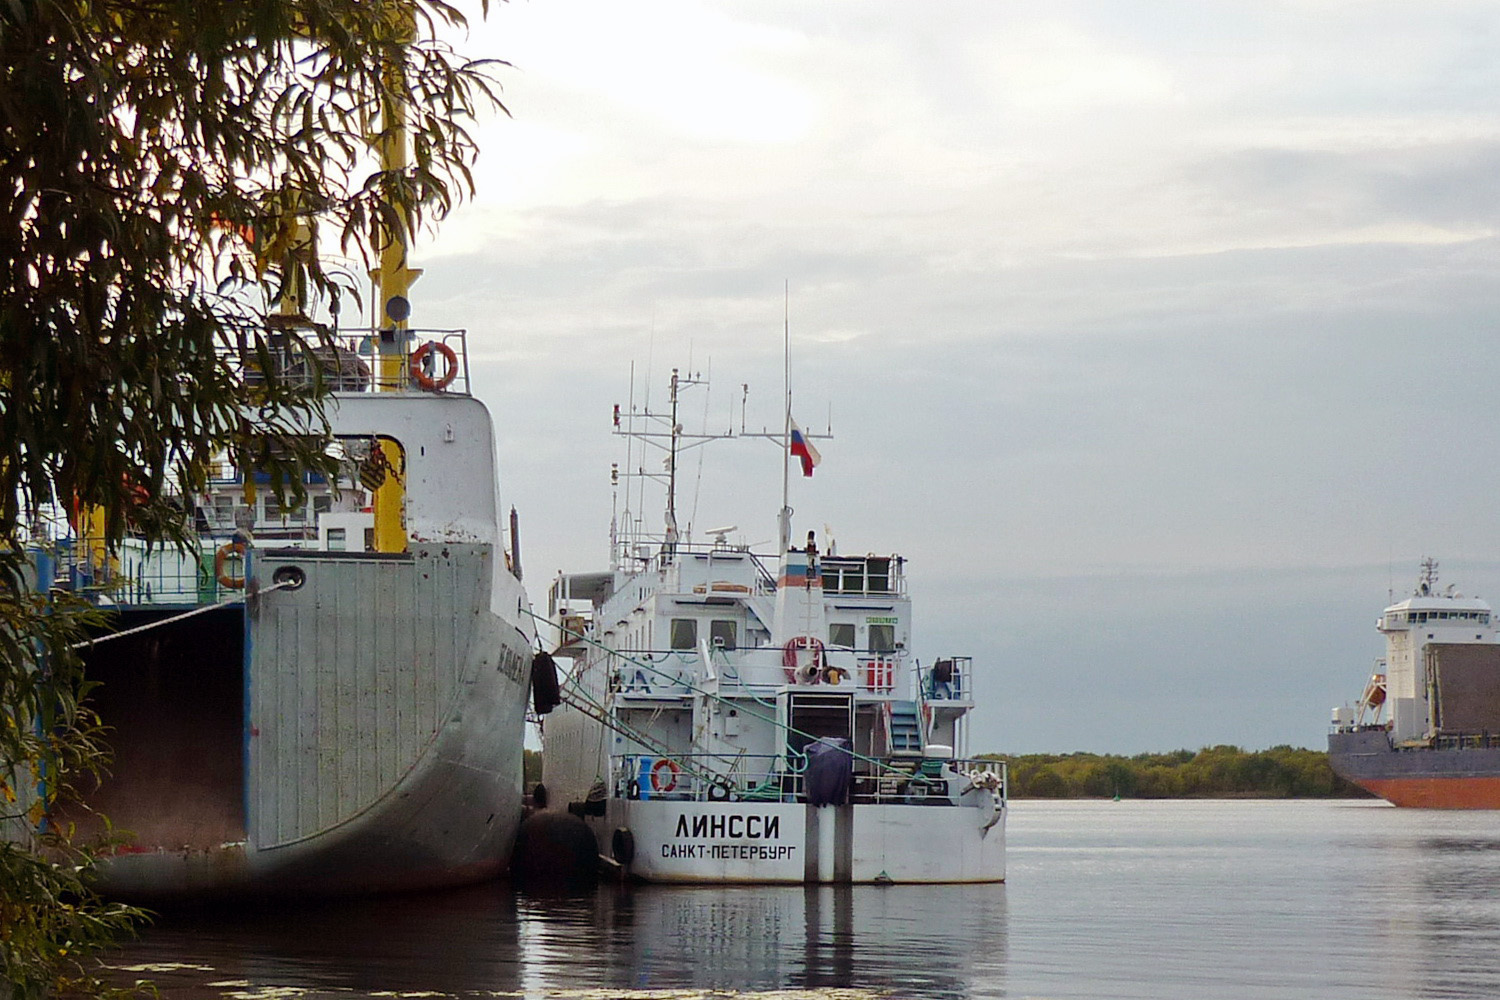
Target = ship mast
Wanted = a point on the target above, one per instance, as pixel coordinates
(784, 519)
(393, 278)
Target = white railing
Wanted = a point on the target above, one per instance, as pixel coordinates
(777, 778)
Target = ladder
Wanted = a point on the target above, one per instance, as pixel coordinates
(905, 728)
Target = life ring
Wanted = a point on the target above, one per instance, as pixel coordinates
(226, 551)
(418, 363)
(789, 656)
(664, 775)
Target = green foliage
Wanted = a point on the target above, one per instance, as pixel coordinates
(51, 748)
(1281, 772)
(157, 161)
(167, 168)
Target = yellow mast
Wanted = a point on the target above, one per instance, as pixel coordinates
(393, 280)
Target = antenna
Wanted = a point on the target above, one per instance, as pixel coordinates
(784, 522)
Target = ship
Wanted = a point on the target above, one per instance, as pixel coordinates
(1425, 732)
(729, 716)
(324, 694)
(325, 699)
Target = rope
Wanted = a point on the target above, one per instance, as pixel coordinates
(175, 618)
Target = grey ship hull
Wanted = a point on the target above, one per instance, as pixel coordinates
(366, 741)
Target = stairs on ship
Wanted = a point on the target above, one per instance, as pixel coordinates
(906, 728)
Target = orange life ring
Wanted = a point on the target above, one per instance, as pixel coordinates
(450, 366)
(221, 557)
(789, 656)
(665, 767)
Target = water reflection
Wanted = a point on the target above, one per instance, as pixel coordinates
(917, 941)
(449, 942)
(1440, 934)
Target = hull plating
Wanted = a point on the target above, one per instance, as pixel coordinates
(381, 705)
(769, 843)
(1418, 778)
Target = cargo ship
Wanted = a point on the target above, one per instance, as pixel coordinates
(1426, 731)
(733, 716)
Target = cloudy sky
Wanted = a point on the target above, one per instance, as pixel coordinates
(1157, 336)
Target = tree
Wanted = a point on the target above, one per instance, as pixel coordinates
(167, 168)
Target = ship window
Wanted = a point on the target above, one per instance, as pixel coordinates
(722, 633)
(336, 540)
(839, 578)
(291, 511)
(684, 633)
(841, 634)
(322, 504)
(882, 638)
(880, 576)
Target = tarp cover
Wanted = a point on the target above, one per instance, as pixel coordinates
(1467, 678)
(829, 768)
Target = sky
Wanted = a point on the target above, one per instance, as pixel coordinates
(1158, 337)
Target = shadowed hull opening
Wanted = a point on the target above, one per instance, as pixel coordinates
(173, 699)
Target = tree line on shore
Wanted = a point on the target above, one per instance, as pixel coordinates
(1282, 772)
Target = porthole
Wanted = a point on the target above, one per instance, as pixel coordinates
(289, 577)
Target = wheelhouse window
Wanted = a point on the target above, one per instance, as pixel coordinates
(684, 633)
(841, 634)
(723, 633)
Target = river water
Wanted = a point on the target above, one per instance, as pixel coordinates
(1104, 899)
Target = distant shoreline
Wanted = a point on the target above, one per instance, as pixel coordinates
(1219, 772)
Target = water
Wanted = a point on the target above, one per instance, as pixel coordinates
(1128, 899)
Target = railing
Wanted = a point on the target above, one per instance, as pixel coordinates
(774, 778)
(868, 576)
(956, 687)
(1484, 740)
(355, 361)
(654, 673)
(135, 577)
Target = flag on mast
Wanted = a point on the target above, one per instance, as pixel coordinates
(803, 449)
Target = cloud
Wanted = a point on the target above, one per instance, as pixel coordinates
(1153, 336)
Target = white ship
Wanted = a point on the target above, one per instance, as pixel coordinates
(328, 699)
(736, 717)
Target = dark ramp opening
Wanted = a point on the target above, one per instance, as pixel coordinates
(173, 697)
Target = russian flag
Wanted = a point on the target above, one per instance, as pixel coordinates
(803, 449)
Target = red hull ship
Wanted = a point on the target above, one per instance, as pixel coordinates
(1426, 731)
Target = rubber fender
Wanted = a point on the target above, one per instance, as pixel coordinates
(622, 846)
